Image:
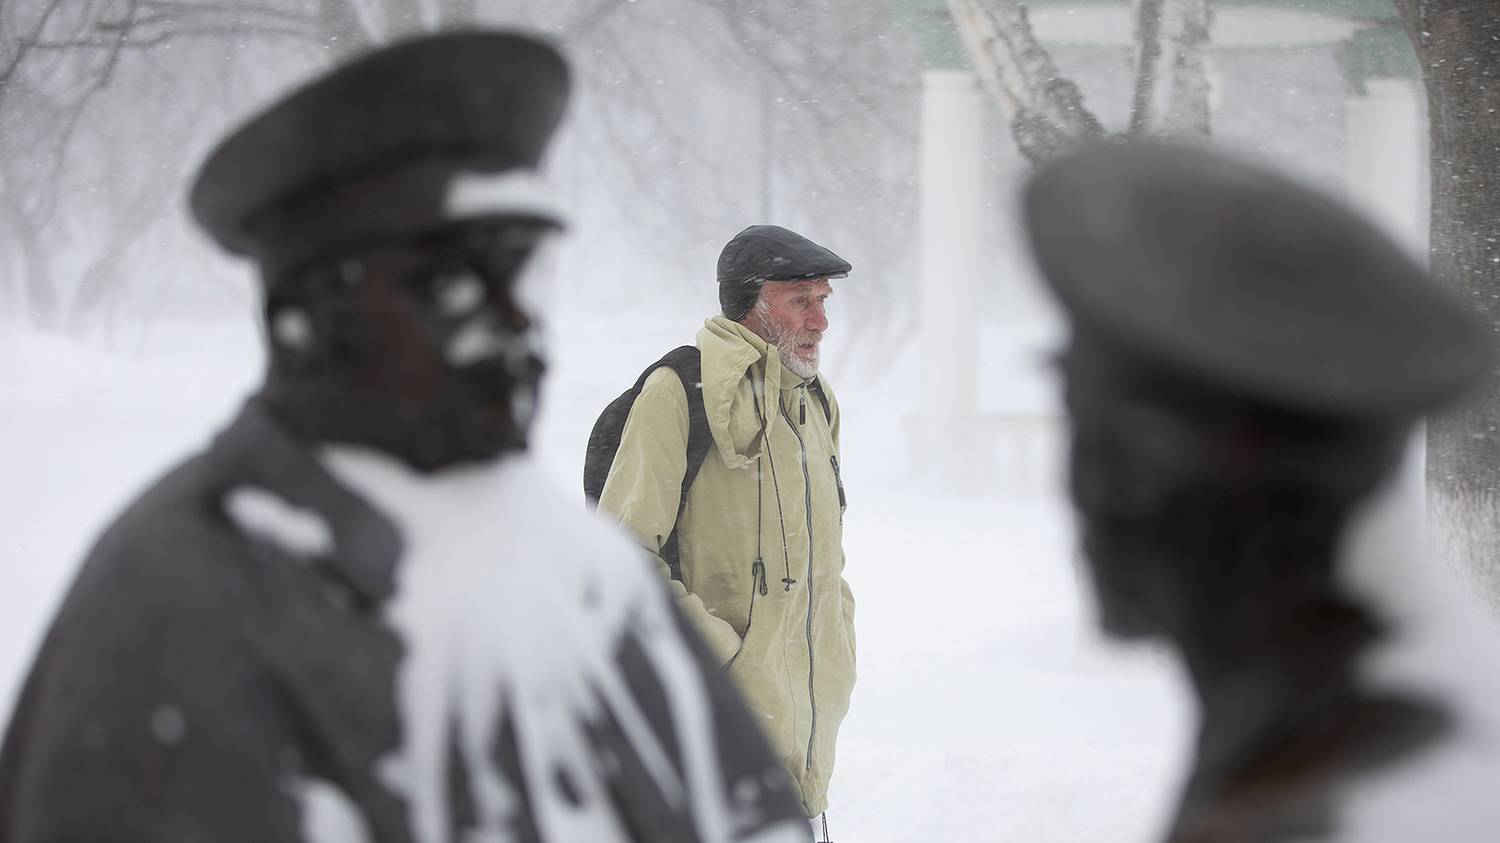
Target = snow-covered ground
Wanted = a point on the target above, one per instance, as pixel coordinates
(987, 708)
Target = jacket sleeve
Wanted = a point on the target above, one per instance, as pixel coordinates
(644, 487)
(848, 607)
(835, 417)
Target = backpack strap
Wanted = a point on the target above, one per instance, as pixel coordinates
(687, 362)
(816, 388)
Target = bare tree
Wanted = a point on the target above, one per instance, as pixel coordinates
(1458, 47)
(1046, 110)
(104, 102)
(694, 118)
(79, 199)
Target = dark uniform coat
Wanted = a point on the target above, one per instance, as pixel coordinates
(228, 649)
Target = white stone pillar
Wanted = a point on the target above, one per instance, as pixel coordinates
(1386, 159)
(949, 449)
(1385, 169)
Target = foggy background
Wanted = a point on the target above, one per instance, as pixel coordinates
(986, 707)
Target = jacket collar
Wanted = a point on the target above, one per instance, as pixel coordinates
(729, 351)
(258, 449)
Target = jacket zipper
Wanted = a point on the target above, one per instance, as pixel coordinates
(812, 700)
(838, 480)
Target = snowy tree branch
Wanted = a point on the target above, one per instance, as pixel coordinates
(130, 40)
(98, 82)
(1046, 111)
(831, 74)
(24, 44)
(235, 12)
(678, 146)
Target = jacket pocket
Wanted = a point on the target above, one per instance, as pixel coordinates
(757, 590)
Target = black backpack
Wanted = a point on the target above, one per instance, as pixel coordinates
(604, 439)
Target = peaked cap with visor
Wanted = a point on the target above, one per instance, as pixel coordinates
(405, 141)
(1248, 283)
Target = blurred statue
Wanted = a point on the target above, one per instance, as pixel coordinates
(1246, 364)
(362, 613)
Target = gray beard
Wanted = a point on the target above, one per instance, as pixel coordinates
(805, 369)
(785, 340)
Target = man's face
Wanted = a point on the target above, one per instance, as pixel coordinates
(792, 315)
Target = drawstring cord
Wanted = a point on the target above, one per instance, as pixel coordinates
(758, 569)
(765, 434)
(760, 559)
(826, 838)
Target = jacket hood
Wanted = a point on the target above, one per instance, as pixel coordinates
(730, 348)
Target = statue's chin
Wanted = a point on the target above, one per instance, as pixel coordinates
(479, 437)
(1121, 614)
(1124, 624)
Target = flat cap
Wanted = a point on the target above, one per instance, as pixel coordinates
(399, 141)
(773, 253)
(1247, 282)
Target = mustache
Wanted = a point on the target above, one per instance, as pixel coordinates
(792, 338)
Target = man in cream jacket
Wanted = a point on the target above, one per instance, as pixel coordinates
(760, 537)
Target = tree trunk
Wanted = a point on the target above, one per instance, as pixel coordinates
(1046, 110)
(1458, 47)
(1171, 83)
(33, 272)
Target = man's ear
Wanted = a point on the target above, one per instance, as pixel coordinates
(306, 316)
(295, 341)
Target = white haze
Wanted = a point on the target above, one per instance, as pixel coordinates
(987, 707)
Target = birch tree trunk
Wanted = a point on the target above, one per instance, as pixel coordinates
(1458, 47)
(1171, 77)
(1046, 110)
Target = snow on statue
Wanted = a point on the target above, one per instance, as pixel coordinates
(362, 614)
(1246, 364)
